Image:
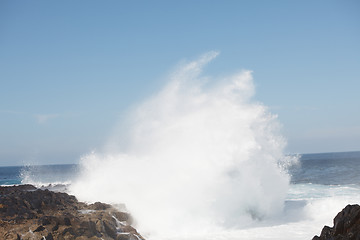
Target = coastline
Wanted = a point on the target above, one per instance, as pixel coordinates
(27, 213)
(346, 225)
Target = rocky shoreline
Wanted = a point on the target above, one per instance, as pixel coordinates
(346, 225)
(30, 213)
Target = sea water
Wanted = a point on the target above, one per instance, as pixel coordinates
(51, 176)
(202, 159)
(321, 185)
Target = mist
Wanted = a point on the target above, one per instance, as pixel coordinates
(192, 158)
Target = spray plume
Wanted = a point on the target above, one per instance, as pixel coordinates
(194, 158)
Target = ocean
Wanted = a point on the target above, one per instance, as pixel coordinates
(39, 175)
(202, 159)
(320, 186)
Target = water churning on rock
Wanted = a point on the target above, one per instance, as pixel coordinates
(193, 157)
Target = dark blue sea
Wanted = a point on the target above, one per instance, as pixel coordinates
(321, 185)
(38, 174)
(322, 168)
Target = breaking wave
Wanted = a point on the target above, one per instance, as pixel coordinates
(192, 158)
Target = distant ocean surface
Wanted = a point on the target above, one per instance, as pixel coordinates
(38, 175)
(328, 169)
(321, 185)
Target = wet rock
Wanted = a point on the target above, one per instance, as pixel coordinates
(55, 215)
(67, 221)
(110, 229)
(69, 230)
(99, 206)
(45, 220)
(126, 236)
(39, 229)
(49, 237)
(122, 216)
(56, 227)
(346, 225)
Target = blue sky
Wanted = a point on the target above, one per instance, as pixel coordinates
(71, 69)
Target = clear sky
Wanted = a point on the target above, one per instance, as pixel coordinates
(70, 69)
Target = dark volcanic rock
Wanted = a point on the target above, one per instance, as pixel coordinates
(346, 225)
(29, 213)
(99, 206)
(49, 237)
(39, 229)
(67, 221)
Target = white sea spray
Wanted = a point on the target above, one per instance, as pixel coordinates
(193, 158)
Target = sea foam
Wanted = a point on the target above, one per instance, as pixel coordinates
(193, 158)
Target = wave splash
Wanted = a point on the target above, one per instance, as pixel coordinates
(194, 157)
